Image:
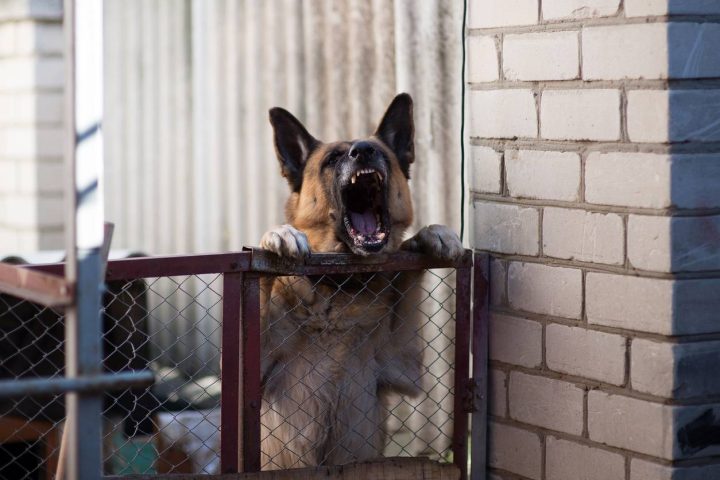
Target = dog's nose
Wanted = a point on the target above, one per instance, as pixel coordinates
(361, 150)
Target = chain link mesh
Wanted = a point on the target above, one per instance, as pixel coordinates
(172, 325)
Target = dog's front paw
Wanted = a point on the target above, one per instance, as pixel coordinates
(286, 241)
(436, 240)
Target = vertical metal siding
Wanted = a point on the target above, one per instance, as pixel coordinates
(190, 163)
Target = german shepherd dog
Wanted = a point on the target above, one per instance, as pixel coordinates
(335, 349)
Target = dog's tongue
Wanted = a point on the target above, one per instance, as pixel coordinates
(364, 222)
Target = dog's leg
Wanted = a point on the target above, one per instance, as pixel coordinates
(286, 241)
(436, 240)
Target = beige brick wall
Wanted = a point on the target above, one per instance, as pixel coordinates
(31, 110)
(595, 168)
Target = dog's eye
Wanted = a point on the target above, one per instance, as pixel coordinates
(332, 158)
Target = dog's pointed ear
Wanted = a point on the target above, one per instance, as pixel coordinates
(293, 145)
(397, 130)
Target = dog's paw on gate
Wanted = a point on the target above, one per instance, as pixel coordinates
(436, 240)
(286, 241)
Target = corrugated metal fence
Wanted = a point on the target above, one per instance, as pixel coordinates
(190, 165)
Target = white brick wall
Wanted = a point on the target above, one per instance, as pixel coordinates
(632, 303)
(640, 8)
(543, 289)
(483, 60)
(487, 169)
(644, 470)
(566, 460)
(605, 124)
(580, 115)
(673, 244)
(507, 228)
(585, 236)
(515, 340)
(547, 403)
(501, 13)
(512, 113)
(679, 371)
(694, 113)
(585, 353)
(543, 175)
(31, 111)
(628, 179)
(566, 9)
(514, 450)
(541, 56)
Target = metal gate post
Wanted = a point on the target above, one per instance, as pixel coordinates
(251, 392)
(463, 282)
(83, 21)
(478, 442)
(230, 374)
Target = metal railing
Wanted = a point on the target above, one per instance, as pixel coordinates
(219, 301)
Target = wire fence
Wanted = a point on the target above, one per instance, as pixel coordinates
(353, 366)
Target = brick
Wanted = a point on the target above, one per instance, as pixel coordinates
(633, 303)
(506, 228)
(28, 73)
(628, 179)
(50, 211)
(640, 51)
(515, 340)
(565, 9)
(31, 108)
(648, 114)
(51, 240)
(514, 450)
(541, 56)
(648, 427)
(667, 307)
(664, 116)
(502, 13)
(645, 470)
(585, 353)
(580, 114)
(7, 39)
(497, 394)
(694, 181)
(674, 244)
(498, 282)
(48, 38)
(543, 175)
(584, 236)
(641, 8)
(9, 175)
(27, 142)
(546, 403)
(503, 113)
(35, 9)
(20, 211)
(652, 180)
(487, 170)
(50, 177)
(36, 38)
(545, 289)
(566, 460)
(482, 59)
(677, 371)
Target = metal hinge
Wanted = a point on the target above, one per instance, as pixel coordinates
(473, 398)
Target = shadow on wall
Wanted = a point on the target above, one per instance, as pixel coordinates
(692, 234)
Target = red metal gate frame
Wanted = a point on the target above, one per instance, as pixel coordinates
(240, 361)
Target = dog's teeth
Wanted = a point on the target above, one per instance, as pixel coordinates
(379, 176)
(381, 235)
(354, 177)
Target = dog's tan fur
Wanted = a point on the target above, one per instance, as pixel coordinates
(334, 350)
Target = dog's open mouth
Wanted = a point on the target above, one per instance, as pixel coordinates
(365, 205)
